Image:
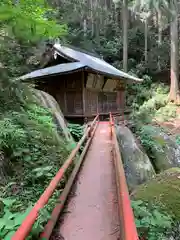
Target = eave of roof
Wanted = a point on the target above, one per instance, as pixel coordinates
(54, 70)
(80, 61)
(95, 64)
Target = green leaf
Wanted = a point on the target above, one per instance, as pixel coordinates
(146, 221)
(139, 202)
(49, 174)
(10, 224)
(136, 203)
(17, 154)
(39, 174)
(27, 158)
(154, 222)
(9, 235)
(18, 220)
(8, 215)
(8, 201)
(25, 150)
(3, 232)
(47, 168)
(138, 223)
(36, 170)
(2, 223)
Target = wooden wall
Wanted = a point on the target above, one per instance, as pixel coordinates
(101, 102)
(70, 95)
(67, 90)
(76, 100)
(100, 96)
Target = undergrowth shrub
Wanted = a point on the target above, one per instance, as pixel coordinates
(76, 131)
(151, 103)
(26, 135)
(147, 111)
(163, 191)
(166, 113)
(152, 224)
(178, 139)
(148, 141)
(28, 140)
(10, 220)
(156, 99)
(138, 93)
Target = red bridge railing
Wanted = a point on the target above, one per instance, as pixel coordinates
(127, 224)
(128, 229)
(27, 224)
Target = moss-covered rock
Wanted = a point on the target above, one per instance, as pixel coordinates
(48, 101)
(161, 147)
(163, 190)
(138, 167)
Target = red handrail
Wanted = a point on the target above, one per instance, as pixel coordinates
(46, 234)
(27, 224)
(128, 229)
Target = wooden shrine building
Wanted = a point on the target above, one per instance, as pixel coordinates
(82, 84)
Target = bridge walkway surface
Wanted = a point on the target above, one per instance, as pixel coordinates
(92, 210)
(98, 206)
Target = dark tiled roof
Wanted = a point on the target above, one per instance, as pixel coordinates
(80, 60)
(54, 70)
(93, 63)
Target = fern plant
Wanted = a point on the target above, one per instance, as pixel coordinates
(150, 222)
(9, 221)
(76, 130)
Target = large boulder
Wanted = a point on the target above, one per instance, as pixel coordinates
(163, 190)
(138, 167)
(162, 147)
(48, 101)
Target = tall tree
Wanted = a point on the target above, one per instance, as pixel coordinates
(159, 21)
(125, 35)
(174, 95)
(22, 26)
(146, 40)
(125, 30)
(170, 9)
(144, 16)
(92, 17)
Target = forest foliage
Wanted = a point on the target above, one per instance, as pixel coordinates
(30, 153)
(28, 147)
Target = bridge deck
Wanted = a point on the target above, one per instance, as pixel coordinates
(92, 211)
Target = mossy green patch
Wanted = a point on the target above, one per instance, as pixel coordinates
(162, 149)
(164, 191)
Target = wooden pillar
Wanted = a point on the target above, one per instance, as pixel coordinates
(84, 92)
(120, 88)
(65, 98)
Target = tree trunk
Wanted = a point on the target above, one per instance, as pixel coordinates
(159, 16)
(174, 88)
(85, 27)
(97, 22)
(117, 15)
(146, 40)
(92, 18)
(125, 35)
(84, 18)
(159, 28)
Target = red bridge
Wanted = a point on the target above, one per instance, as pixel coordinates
(100, 207)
